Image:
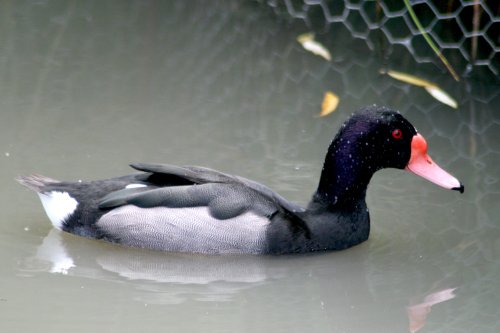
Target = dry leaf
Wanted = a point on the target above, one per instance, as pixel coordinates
(308, 43)
(305, 37)
(330, 103)
(431, 88)
(441, 96)
(411, 79)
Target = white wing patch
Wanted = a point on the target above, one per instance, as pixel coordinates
(135, 185)
(58, 206)
(190, 229)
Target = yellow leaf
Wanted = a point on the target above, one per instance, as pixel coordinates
(308, 43)
(330, 103)
(441, 96)
(305, 37)
(411, 79)
(431, 88)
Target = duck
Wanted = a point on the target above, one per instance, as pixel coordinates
(199, 210)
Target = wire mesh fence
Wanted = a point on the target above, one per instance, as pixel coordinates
(466, 32)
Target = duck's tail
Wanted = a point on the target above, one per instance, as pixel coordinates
(58, 204)
(35, 182)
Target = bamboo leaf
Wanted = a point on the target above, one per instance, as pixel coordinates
(430, 87)
(408, 78)
(429, 40)
(441, 96)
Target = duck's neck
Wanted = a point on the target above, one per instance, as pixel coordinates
(346, 173)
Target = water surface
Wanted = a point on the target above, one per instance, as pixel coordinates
(88, 87)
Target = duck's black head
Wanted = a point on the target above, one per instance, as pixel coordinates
(374, 138)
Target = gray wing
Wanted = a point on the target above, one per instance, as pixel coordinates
(223, 200)
(202, 175)
(195, 174)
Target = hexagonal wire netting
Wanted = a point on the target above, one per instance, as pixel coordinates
(466, 32)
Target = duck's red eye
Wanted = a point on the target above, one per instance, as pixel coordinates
(397, 134)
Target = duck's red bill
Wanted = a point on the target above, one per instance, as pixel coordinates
(422, 165)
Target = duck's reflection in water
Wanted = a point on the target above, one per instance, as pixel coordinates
(210, 277)
(341, 283)
(417, 313)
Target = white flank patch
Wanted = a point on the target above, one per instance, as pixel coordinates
(58, 206)
(135, 185)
